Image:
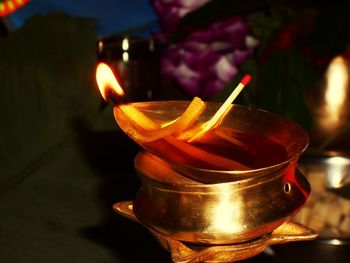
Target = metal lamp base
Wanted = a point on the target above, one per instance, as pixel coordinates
(185, 253)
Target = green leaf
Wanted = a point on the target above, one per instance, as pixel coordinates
(46, 73)
(282, 82)
(265, 25)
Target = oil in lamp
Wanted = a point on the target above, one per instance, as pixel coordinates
(219, 180)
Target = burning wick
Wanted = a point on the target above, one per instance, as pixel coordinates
(108, 84)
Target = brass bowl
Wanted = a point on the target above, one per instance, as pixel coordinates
(223, 213)
(244, 119)
(215, 207)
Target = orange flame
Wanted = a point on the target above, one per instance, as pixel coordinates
(107, 82)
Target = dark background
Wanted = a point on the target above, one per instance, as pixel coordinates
(63, 160)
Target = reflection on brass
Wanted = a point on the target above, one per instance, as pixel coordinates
(180, 252)
(223, 213)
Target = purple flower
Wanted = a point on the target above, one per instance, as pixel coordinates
(171, 11)
(208, 59)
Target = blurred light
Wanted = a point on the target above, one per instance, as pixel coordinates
(337, 171)
(337, 160)
(335, 91)
(269, 251)
(151, 45)
(125, 56)
(100, 46)
(125, 44)
(335, 242)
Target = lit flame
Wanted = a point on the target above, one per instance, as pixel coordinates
(335, 94)
(107, 82)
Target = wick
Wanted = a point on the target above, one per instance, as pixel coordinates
(115, 98)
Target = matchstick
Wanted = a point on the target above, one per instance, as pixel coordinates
(222, 110)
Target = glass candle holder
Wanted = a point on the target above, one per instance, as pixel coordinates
(135, 61)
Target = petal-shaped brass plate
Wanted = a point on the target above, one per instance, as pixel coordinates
(288, 232)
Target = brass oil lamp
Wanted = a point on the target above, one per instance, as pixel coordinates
(202, 212)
